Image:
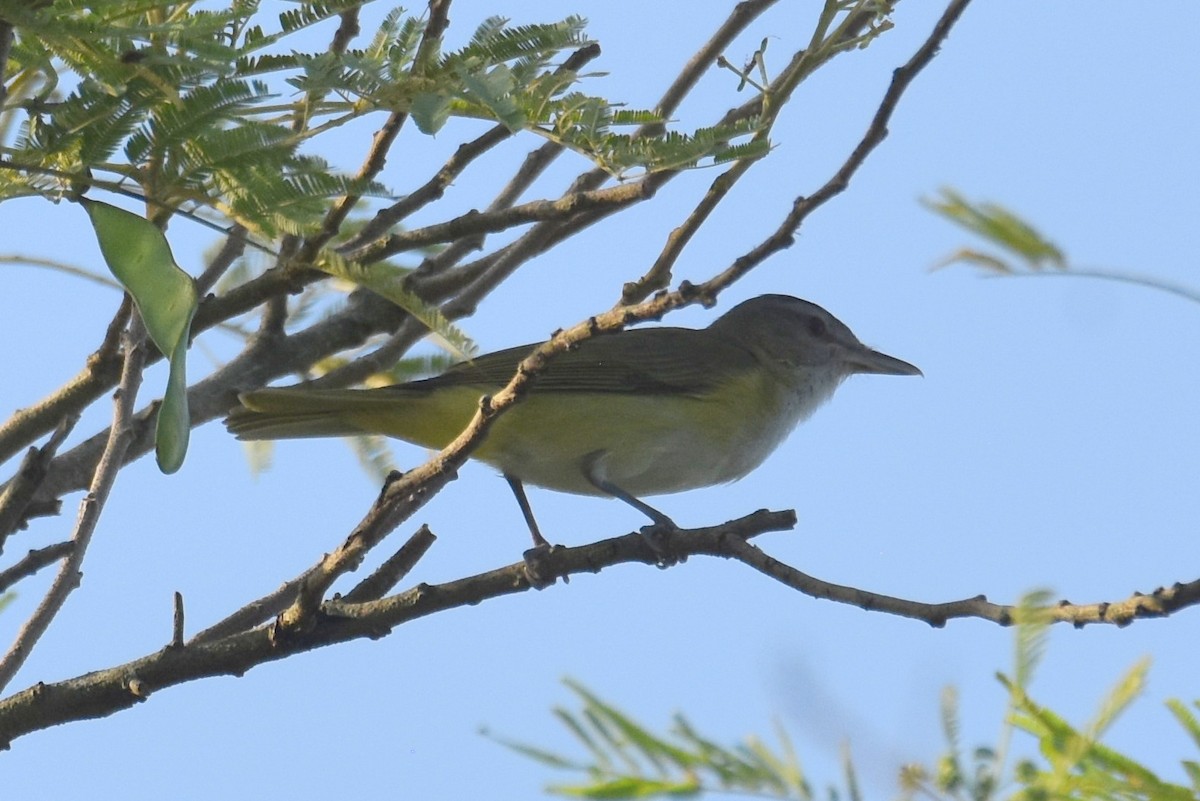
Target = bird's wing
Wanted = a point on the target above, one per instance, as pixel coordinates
(643, 361)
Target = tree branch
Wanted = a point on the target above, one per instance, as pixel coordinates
(34, 561)
(103, 478)
(487, 222)
(1159, 603)
(17, 494)
(779, 92)
(784, 235)
(104, 692)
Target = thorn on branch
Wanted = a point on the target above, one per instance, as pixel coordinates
(177, 625)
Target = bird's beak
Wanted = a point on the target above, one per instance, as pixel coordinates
(865, 360)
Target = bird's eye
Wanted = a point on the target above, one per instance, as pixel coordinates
(817, 327)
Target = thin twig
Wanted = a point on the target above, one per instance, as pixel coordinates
(1159, 603)
(252, 614)
(383, 139)
(784, 235)
(435, 187)
(259, 611)
(107, 468)
(779, 92)
(17, 493)
(485, 222)
(34, 561)
(177, 622)
(233, 247)
(394, 568)
(434, 267)
(738, 20)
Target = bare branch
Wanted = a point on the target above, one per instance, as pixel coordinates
(1160, 603)
(233, 247)
(394, 568)
(252, 614)
(739, 19)
(347, 29)
(177, 622)
(34, 561)
(783, 236)
(107, 691)
(105, 476)
(104, 692)
(17, 494)
(486, 222)
(780, 90)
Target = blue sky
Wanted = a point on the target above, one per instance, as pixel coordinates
(1051, 444)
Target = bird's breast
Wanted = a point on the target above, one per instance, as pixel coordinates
(649, 444)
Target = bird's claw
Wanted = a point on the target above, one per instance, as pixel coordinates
(656, 535)
(538, 570)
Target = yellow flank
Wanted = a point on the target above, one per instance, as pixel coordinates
(647, 444)
(431, 419)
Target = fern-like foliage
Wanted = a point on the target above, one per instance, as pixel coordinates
(628, 760)
(625, 759)
(163, 100)
(211, 110)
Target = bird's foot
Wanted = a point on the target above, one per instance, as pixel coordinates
(538, 568)
(656, 536)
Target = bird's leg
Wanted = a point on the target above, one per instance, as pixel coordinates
(535, 557)
(652, 534)
(649, 511)
(519, 491)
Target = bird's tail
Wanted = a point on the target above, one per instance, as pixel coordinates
(291, 413)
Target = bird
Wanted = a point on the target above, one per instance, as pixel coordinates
(641, 412)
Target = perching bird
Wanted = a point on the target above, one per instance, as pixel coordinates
(642, 412)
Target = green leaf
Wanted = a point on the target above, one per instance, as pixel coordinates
(387, 281)
(1186, 719)
(430, 112)
(1193, 772)
(1033, 625)
(630, 787)
(1118, 700)
(1000, 227)
(494, 91)
(139, 256)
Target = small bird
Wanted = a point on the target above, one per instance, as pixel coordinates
(646, 411)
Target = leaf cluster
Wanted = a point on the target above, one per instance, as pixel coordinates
(207, 110)
(1023, 250)
(628, 760)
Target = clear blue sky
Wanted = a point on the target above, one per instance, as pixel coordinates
(1052, 444)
